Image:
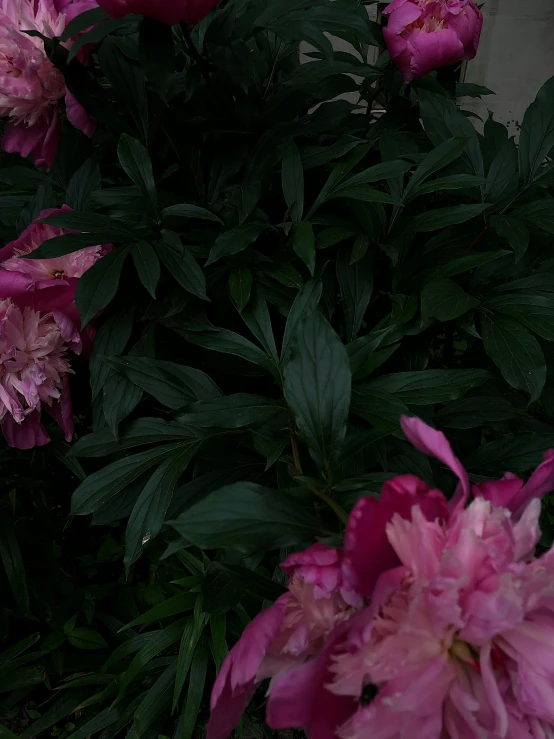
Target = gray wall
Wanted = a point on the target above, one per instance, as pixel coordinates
(515, 57)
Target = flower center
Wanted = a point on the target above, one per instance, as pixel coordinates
(58, 274)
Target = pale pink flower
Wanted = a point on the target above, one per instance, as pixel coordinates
(424, 35)
(48, 285)
(30, 86)
(33, 371)
(291, 632)
(454, 651)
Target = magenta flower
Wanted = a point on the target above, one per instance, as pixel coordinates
(165, 11)
(290, 632)
(424, 35)
(33, 375)
(30, 86)
(48, 285)
(454, 637)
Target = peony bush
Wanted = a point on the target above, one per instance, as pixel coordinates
(275, 322)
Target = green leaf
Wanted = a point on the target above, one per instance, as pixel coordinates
(442, 155)
(102, 486)
(84, 182)
(149, 512)
(156, 701)
(475, 412)
(317, 384)
(197, 680)
(147, 266)
(428, 387)
(98, 286)
(229, 342)
(10, 554)
(451, 182)
(442, 120)
(136, 163)
(189, 640)
(258, 320)
(225, 584)
(503, 175)
(533, 310)
(381, 409)
(515, 233)
(103, 227)
(432, 220)
(292, 180)
(181, 265)
(308, 298)
(337, 175)
(172, 384)
(11, 653)
(112, 338)
(538, 214)
(244, 198)
(235, 240)
(186, 210)
(521, 453)
(230, 412)
(356, 288)
(22, 678)
(120, 398)
(180, 603)
(240, 284)
(516, 353)
(127, 79)
(537, 132)
(83, 638)
(445, 300)
(83, 21)
(59, 246)
(383, 171)
(246, 516)
(218, 639)
(303, 243)
(138, 433)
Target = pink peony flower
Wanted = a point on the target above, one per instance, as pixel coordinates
(424, 35)
(33, 375)
(291, 632)
(30, 86)
(48, 285)
(165, 11)
(454, 638)
(453, 652)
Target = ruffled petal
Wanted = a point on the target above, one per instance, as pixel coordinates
(27, 434)
(236, 681)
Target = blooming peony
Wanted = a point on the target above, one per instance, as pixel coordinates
(33, 375)
(455, 636)
(30, 86)
(48, 285)
(165, 11)
(294, 629)
(424, 35)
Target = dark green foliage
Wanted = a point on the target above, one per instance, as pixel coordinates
(291, 272)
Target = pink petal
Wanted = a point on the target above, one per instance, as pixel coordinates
(25, 435)
(62, 412)
(395, 5)
(299, 697)
(435, 50)
(435, 444)
(539, 484)
(402, 17)
(14, 285)
(195, 10)
(40, 140)
(78, 116)
(367, 550)
(499, 492)
(400, 54)
(236, 681)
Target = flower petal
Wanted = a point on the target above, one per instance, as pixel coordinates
(236, 681)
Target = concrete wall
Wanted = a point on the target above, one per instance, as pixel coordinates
(515, 58)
